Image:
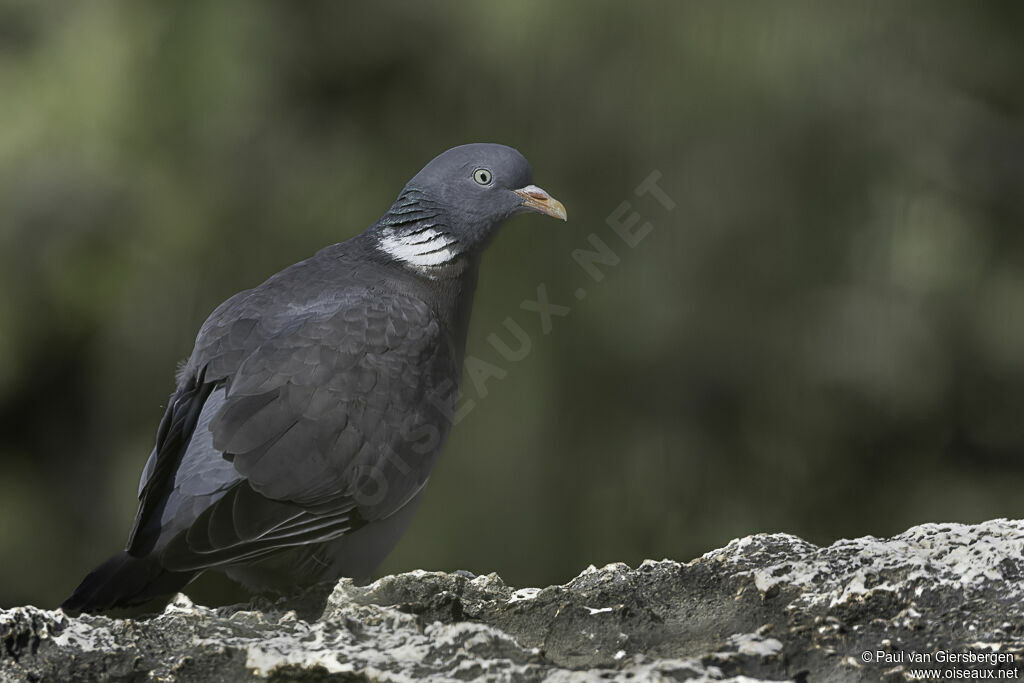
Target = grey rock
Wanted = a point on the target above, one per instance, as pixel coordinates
(765, 607)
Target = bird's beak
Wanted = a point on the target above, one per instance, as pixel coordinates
(536, 199)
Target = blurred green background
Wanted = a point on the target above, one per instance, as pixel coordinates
(825, 336)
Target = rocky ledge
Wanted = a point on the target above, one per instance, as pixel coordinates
(765, 607)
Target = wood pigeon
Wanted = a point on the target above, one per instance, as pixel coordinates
(307, 420)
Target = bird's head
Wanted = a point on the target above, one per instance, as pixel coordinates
(455, 204)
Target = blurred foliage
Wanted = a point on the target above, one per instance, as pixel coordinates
(825, 336)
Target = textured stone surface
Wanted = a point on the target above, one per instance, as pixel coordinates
(765, 607)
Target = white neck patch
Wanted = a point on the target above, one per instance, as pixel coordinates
(426, 249)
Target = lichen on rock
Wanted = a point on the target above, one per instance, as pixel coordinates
(765, 607)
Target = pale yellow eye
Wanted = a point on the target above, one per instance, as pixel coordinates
(483, 176)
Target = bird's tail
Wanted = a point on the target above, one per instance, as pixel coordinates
(124, 581)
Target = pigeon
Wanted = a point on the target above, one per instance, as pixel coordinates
(306, 422)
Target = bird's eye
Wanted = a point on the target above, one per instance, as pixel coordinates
(483, 176)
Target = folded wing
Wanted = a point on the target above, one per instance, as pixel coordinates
(330, 417)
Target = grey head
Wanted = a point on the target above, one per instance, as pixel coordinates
(452, 208)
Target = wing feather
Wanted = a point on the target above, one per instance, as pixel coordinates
(314, 403)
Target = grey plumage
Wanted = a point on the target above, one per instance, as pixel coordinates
(307, 419)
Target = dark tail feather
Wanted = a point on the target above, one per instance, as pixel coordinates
(124, 581)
